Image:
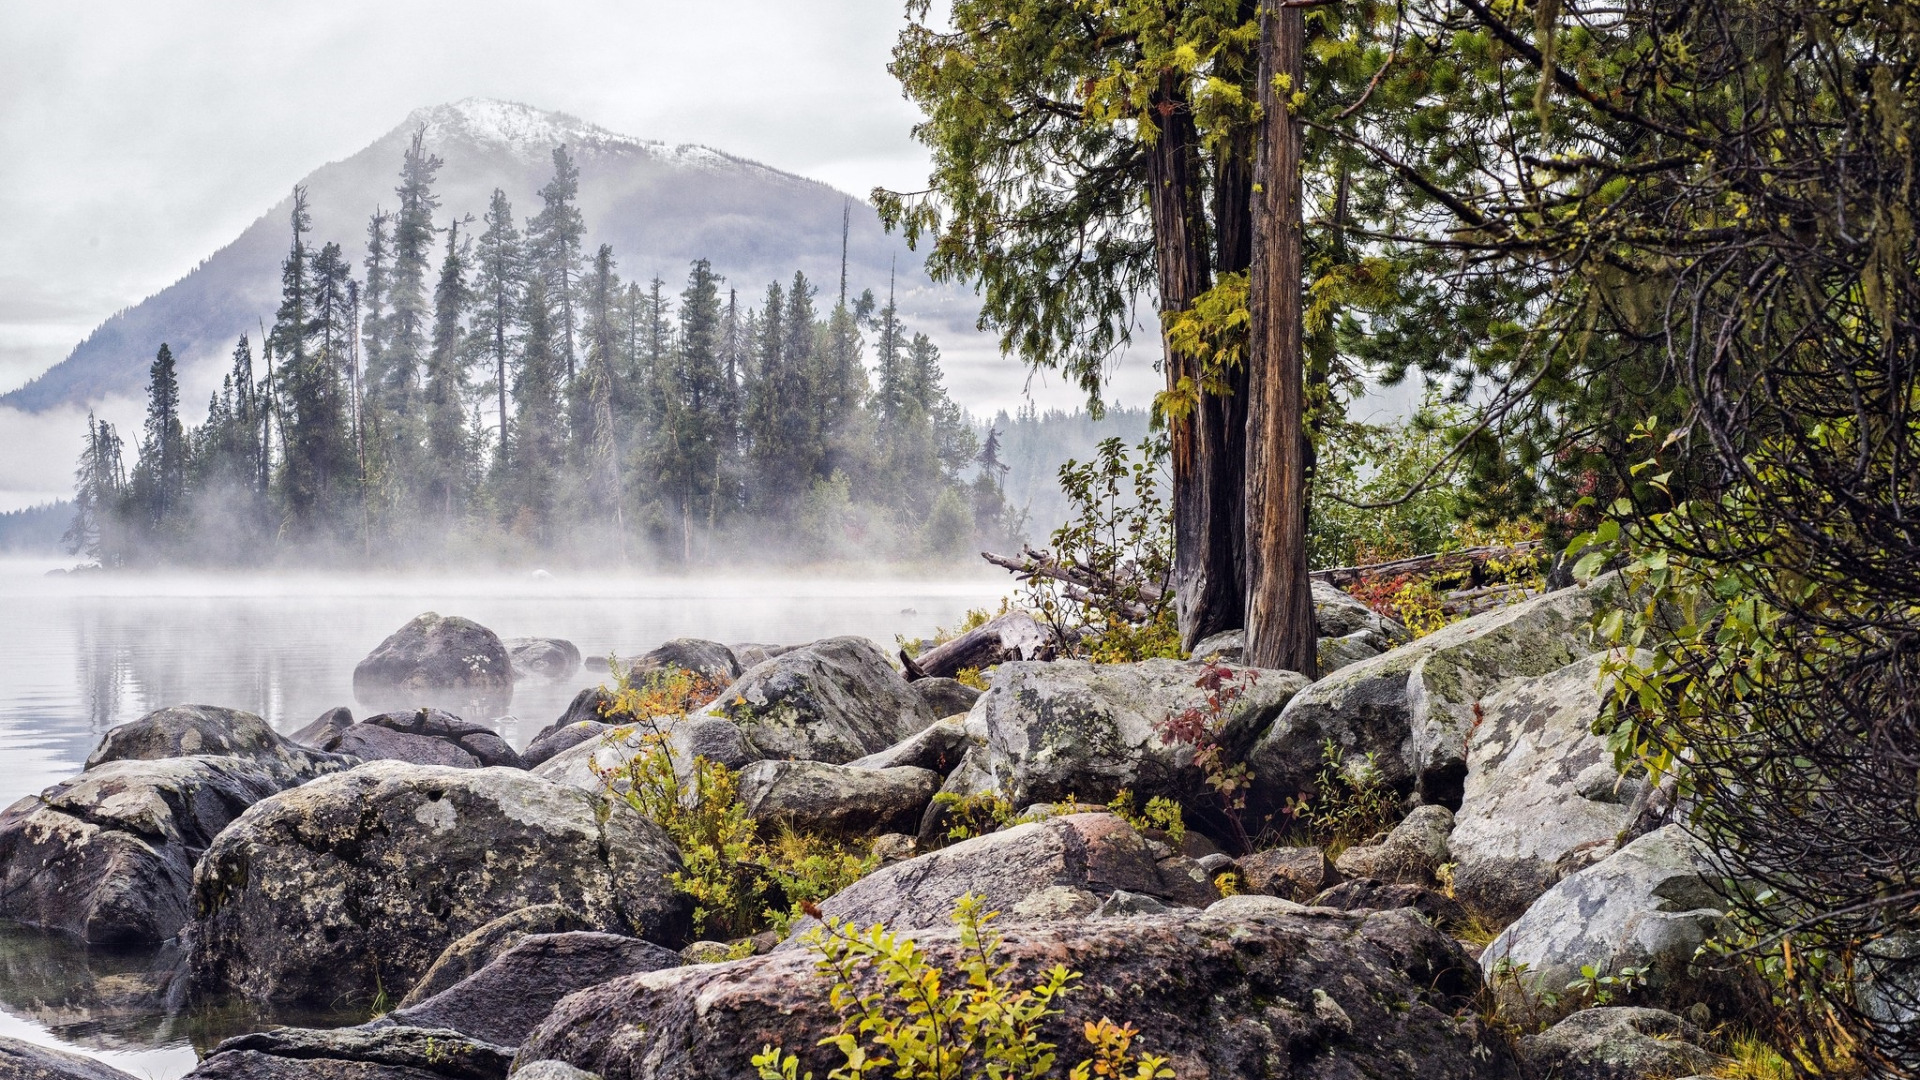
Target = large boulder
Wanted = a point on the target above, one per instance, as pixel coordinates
(362, 1053)
(435, 653)
(1618, 1043)
(1307, 996)
(423, 736)
(1413, 708)
(940, 747)
(211, 731)
(1349, 632)
(1541, 791)
(587, 763)
(542, 657)
(707, 659)
(1049, 731)
(834, 700)
(27, 1061)
(1649, 905)
(485, 945)
(557, 739)
(1060, 867)
(946, 697)
(109, 855)
(351, 886)
(1291, 873)
(813, 796)
(752, 654)
(1412, 853)
(503, 1001)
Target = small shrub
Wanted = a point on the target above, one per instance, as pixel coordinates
(1350, 803)
(1160, 813)
(922, 1026)
(968, 816)
(1201, 727)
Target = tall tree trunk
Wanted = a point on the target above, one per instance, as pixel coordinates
(1205, 563)
(1279, 599)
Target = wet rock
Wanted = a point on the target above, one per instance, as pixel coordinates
(356, 882)
(438, 652)
(1365, 894)
(481, 947)
(27, 1061)
(1313, 996)
(1413, 708)
(542, 658)
(834, 700)
(362, 1053)
(210, 731)
(1412, 853)
(1091, 854)
(1649, 905)
(1048, 731)
(1540, 787)
(708, 659)
(421, 737)
(946, 697)
(839, 800)
(940, 747)
(108, 855)
(326, 728)
(503, 1001)
(478, 740)
(1292, 873)
(1618, 1043)
(552, 741)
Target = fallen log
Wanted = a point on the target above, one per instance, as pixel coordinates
(1013, 636)
(1343, 576)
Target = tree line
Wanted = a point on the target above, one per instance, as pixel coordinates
(489, 387)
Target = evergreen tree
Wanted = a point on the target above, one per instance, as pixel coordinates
(311, 332)
(448, 445)
(603, 348)
(98, 483)
(769, 470)
(499, 280)
(160, 477)
(538, 445)
(379, 268)
(801, 417)
(556, 235)
(396, 384)
(694, 413)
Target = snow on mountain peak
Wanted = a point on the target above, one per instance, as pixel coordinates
(533, 133)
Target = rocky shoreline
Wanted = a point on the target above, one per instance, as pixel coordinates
(489, 912)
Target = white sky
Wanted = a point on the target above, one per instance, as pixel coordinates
(137, 137)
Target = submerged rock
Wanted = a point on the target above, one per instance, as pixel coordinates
(542, 658)
(28, 1061)
(435, 652)
(1314, 996)
(353, 884)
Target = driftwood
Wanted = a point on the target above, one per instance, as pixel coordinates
(1013, 636)
(1132, 596)
(1343, 576)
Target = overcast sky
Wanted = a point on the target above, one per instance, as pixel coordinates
(138, 137)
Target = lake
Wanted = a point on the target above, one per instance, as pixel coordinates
(81, 653)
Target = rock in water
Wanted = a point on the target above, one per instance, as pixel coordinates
(542, 657)
(436, 653)
(503, 1001)
(708, 659)
(362, 1053)
(208, 730)
(27, 1061)
(1307, 996)
(1649, 905)
(1047, 731)
(834, 700)
(813, 796)
(419, 737)
(353, 884)
(1413, 708)
(1540, 787)
(109, 855)
(1062, 867)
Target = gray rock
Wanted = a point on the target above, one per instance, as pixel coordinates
(356, 882)
(839, 800)
(752, 654)
(542, 658)
(436, 653)
(109, 855)
(27, 1061)
(362, 1053)
(424, 736)
(549, 1069)
(1309, 996)
(482, 946)
(834, 700)
(945, 697)
(940, 747)
(1411, 854)
(1338, 615)
(503, 1001)
(559, 738)
(1366, 894)
(1123, 903)
(1412, 708)
(326, 728)
(709, 659)
(1091, 854)
(1048, 731)
(1242, 907)
(478, 740)
(1540, 787)
(1225, 647)
(1651, 904)
(210, 731)
(1618, 1043)
(1334, 653)
(1291, 873)
(585, 764)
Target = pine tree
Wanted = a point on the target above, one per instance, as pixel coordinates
(98, 483)
(448, 445)
(379, 268)
(408, 327)
(768, 469)
(693, 416)
(538, 442)
(556, 235)
(499, 281)
(160, 477)
(801, 415)
(603, 348)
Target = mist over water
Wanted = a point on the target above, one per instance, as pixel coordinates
(81, 653)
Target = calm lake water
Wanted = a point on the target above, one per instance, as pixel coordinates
(82, 653)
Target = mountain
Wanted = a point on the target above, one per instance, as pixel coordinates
(660, 207)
